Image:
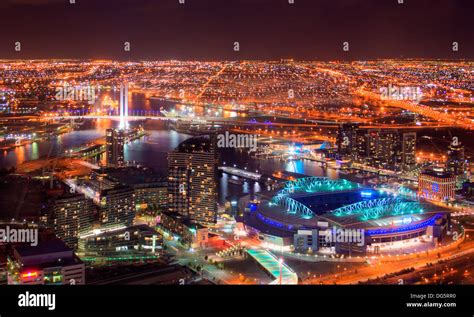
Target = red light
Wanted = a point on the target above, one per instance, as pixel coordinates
(29, 274)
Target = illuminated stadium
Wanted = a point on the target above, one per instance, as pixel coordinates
(302, 212)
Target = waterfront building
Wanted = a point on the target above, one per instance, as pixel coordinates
(436, 184)
(347, 139)
(71, 216)
(192, 180)
(115, 142)
(386, 149)
(317, 214)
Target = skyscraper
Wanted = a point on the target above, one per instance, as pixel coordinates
(192, 180)
(346, 138)
(456, 160)
(117, 207)
(71, 215)
(380, 148)
(408, 150)
(388, 150)
(115, 141)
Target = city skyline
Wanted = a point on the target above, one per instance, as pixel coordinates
(263, 143)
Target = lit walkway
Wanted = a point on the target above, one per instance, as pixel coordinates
(271, 264)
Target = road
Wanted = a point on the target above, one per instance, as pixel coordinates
(380, 267)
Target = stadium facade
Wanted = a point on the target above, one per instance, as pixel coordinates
(313, 214)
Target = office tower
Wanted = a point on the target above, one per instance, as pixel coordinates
(50, 262)
(456, 161)
(192, 180)
(436, 184)
(346, 139)
(408, 150)
(385, 149)
(72, 215)
(388, 154)
(117, 207)
(115, 142)
(360, 151)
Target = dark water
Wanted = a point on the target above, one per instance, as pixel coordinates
(151, 151)
(241, 159)
(56, 146)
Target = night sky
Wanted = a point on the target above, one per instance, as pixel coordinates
(265, 29)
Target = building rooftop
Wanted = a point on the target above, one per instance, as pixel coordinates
(436, 173)
(45, 247)
(196, 144)
(135, 175)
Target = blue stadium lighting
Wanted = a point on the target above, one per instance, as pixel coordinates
(407, 228)
(376, 208)
(274, 223)
(308, 185)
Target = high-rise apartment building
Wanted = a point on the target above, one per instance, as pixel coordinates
(381, 148)
(347, 138)
(71, 216)
(408, 150)
(117, 207)
(115, 142)
(192, 180)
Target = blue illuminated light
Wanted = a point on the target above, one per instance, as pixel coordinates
(274, 223)
(407, 228)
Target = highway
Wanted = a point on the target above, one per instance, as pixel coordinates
(381, 266)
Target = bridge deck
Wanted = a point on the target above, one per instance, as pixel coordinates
(272, 265)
